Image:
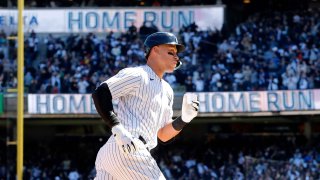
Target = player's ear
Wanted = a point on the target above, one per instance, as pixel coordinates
(156, 49)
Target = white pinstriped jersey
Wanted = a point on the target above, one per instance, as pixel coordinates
(144, 106)
(144, 102)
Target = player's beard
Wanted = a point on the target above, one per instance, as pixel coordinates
(172, 67)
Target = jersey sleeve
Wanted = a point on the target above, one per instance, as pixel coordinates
(124, 83)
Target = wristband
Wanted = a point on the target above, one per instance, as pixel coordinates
(178, 124)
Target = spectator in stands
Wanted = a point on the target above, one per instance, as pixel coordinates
(35, 172)
(83, 85)
(28, 79)
(303, 82)
(273, 83)
(200, 84)
(146, 29)
(171, 79)
(132, 32)
(156, 3)
(292, 82)
(12, 45)
(215, 80)
(74, 175)
(317, 79)
(31, 49)
(238, 80)
(3, 39)
(190, 86)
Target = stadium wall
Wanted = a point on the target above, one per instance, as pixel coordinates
(212, 104)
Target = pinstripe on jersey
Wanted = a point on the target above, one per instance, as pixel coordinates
(144, 106)
(145, 102)
(111, 163)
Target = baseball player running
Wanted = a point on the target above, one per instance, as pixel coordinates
(144, 112)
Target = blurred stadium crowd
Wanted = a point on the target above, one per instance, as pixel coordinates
(235, 157)
(276, 51)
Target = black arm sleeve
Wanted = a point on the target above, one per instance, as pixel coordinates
(102, 99)
(167, 142)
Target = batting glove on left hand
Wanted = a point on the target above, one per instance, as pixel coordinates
(190, 107)
(126, 142)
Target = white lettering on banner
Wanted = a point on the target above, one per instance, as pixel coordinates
(114, 19)
(60, 104)
(260, 101)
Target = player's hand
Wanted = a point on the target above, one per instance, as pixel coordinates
(126, 142)
(190, 107)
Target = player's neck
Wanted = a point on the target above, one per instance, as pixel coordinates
(156, 69)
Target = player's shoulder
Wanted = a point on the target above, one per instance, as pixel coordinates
(144, 71)
(133, 71)
(167, 87)
(165, 83)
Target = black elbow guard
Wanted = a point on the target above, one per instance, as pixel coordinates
(102, 99)
(167, 142)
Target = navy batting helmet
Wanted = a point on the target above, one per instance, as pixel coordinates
(159, 38)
